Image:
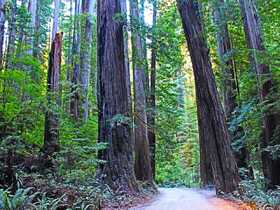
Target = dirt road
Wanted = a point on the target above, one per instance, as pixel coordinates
(186, 199)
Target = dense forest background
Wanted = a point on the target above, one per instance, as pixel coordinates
(51, 84)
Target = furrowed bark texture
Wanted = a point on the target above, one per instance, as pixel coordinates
(230, 89)
(206, 175)
(211, 118)
(86, 46)
(143, 170)
(252, 28)
(2, 30)
(118, 170)
(152, 97)
(51, 140)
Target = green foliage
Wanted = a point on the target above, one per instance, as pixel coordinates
(253, 191)
(19, 201)
(177, 147)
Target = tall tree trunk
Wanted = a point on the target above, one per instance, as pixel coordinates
(12, 34)
(86, 45)
(36, 42)
(55, 18)
(228, 70)
(22, 31)
(143, 169)
(211, 118)
(270, 120)
(33, 11)
(75, 98)
(144, 45)
(127, 69)
(51, 140)
(227, 64)
(206, 175)
(152, 95)
(113, 104)
(69, 57)
(2, 30)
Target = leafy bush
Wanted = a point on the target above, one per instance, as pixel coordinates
(21, 200)
(253, 191)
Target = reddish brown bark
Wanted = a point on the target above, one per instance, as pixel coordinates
(51, 140)
(143, 170)
(270, 120)
(152, 97)
(230, 89)
(211, 119)
(113, 102)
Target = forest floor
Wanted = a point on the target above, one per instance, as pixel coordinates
(187, 199)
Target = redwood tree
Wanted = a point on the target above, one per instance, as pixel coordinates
(211, 118)
(229, 77)
(113, 104)
(152, 95)
(143, 169)
(270, 120)
(51, 140)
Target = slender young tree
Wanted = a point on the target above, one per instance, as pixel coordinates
(2, 30)
(227, 66)
(33, 11)
(143, 169)
(152, 94)
(211, 118)
(22, 30)
(11, 34)
(51, 139)
(76, 47)
(113, 103)
(270, 120)
(85, 60)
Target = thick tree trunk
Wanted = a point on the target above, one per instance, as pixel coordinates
(252, 28)
(230, 88)
(12, 35)
(86, 45)
(55, 18)
(2, 31)
(75, 97)
(143, 169)
(211, 118)
(152, 97)
(51, 140)
(113, 104)
(206, 175)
